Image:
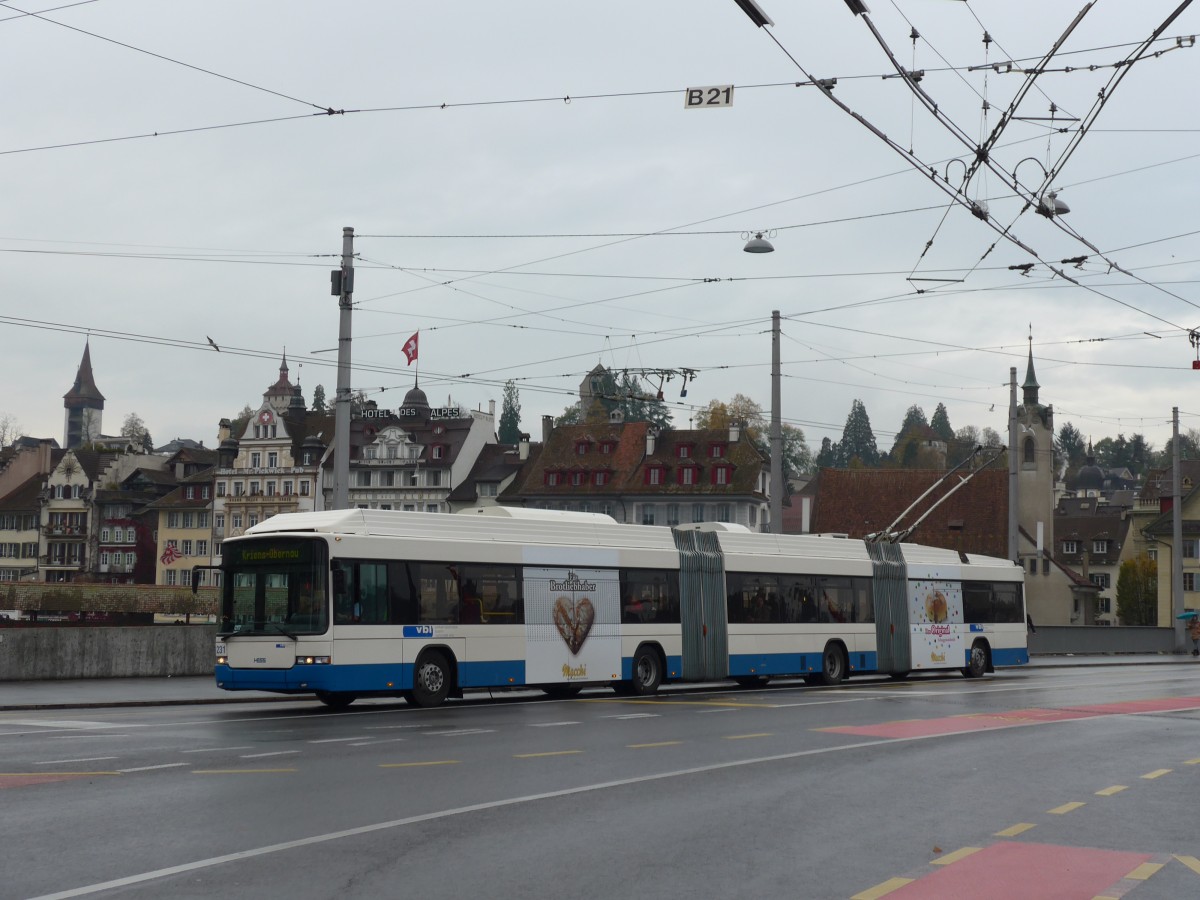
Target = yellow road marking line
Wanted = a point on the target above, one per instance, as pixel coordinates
(742, 737)
(409, 765)
(548, 753)
(882, 890)
(1144, 871)
(655, 744)
(1066, 808)
(1109, 791)
(238, 771)
(1191, 862)
(1014, 830)
(1157, 773)
(1192, 762)
(955, 856)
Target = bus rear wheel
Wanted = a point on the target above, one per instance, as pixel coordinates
(833, 665)
(431, 680)
(336, 699)
(976, 665)
(647, 672)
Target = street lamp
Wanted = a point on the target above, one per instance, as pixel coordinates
(1048, 204)
(758, 244)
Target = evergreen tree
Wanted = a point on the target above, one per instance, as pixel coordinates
(827, 457)
(914, 416)
(1070, 446)
(510, 415)
(319, 405)
(1137, 591)
(940, 423)
(857, 446)
(639, 406)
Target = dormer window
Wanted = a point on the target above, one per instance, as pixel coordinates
(191, 493)
(1100, 547)
(722, 474)
(601, 478)
(578, 479)
(716, 451)
(439, 429)
(439, 451)
(687, 474)
(606, 447)
(553, 479)
(582, 447)
(684, 451)
(654, 474)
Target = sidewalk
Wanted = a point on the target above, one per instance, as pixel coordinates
(99, 693)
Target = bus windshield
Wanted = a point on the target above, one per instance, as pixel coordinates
(275, 586)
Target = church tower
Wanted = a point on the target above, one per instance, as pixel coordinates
(84, 406)
(1035, 467)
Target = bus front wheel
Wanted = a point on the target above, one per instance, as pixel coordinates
(431, 680)
(336, 699)
(833, 665)
(977, 663)
(647, 671)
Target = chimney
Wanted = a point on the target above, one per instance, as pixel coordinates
(651, 440)
(523, 447)
(735, 432)
(547, 427)
(492, 408)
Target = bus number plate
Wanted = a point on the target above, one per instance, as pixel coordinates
(418, 631)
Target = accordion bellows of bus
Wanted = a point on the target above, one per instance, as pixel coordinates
(360, 603)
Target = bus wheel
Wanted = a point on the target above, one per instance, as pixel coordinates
(562, 691)
(336, 699)
(977, 665)
(833, 665)
(431, 680)
(647, 671)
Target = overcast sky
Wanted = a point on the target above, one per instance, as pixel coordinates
(529, 236)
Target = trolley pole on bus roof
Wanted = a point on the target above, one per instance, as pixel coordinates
(777, 488)
(342, 283)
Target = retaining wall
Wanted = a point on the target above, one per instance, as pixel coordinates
(45, 654)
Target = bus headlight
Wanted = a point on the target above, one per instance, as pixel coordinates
(222, 660)
(313, 660)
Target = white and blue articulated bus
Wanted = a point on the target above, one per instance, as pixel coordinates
(380, 603)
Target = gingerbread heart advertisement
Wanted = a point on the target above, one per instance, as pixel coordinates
(574, 619)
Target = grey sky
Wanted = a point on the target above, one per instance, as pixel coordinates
(154, 243)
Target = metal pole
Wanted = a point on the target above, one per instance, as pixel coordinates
(776, 433)
(341, 420)
(1014, 551)
(1176, 536)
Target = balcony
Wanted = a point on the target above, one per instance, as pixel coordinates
(79, 531)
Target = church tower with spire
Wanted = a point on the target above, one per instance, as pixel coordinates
(84, 406)
(1035, 468)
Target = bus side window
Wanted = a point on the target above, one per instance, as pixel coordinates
(343, 594)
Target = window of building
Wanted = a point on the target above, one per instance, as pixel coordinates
(716, 451)
(410, 478)
(287, 488)
(170, 576)
(439, 451)
(724, 512)
(104, 557)
(272, 460)
(601, 478)
(721, 475)
(238, 489)
(553, 479)
(1152, 553)
(130, 536)
(578, 479)
(684, 451)
(1030, 450)
(204, 492)
(186, 548)
(607, 447)
(130, 558)
(488, 489)
(687, 475)
(1070, 547)
(251, 519)
(1102, 580)
(1190, 547)
(582, 447)
(236, 519)
(104, 535)
(1100, 547)
(433, 478)
(648, 513)
(255, 488)
(219, 521)
(304, 489)
(431, 507)
(270, 489)
(1103, 604)
(697, 512)
(190, 493)
(202, 548)
(255, 460)
(1189, 581)
(172, 520)
(672, 514)
(220, 489)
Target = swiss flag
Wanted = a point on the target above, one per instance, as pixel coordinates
(410, 348)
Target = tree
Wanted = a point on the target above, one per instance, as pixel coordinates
(1070, 446)
(625, 395)
(10, 430)
(989, 437)
(914, 416)
(134, 428)
(237, 425)
(858, 440)
(940, 423)
(740, 409)
(827, 458)
(319, 405)
(510, 415)
(1137, 591)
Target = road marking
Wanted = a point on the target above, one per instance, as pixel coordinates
(1191, 862)
(703, 711)
(1192, 762)
(149, 768)
(955, 856)
(61, 723)
(393, 727)
(635, 716)
(882, 890)
(239, 771)
(1109, 791)
(459, 732)
(547, 753)
(1014, 830)
(217, 749)
(1065, 808)
(412, 765)
(273, 753)
(655, 744)
(372, 743)
(1157, 773)
(360, 737)
(742, 737)
(328, 837)
(51, 774)
(550, 724)
(1144, 871)
(59, 762)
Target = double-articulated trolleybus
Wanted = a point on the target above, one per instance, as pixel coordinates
(367, 603)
